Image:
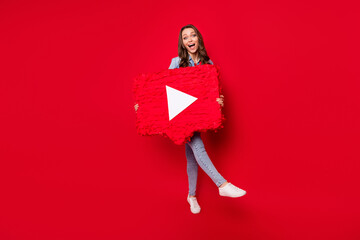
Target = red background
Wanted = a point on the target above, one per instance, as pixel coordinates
(73, 167)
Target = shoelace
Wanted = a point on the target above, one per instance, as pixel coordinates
(193, 202)
(231, 185)
(236, 187)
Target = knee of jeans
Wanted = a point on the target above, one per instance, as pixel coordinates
(199, 145)
(191, 168)
(192, 163)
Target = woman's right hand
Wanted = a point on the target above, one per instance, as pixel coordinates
(136, 107)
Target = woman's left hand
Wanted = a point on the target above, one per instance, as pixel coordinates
(220, 100)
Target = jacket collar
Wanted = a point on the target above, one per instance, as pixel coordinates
(190, 59)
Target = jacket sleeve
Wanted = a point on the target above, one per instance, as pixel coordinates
(173, 64)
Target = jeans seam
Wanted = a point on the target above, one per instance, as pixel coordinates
(212, 173)
(191, 164)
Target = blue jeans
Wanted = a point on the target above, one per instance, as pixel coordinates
(196, 154)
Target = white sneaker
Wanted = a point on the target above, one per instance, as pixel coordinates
(230, 190)
(194, 205)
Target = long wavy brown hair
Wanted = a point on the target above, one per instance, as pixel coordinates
(183, 53)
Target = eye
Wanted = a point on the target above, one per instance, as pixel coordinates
(194, 35)
(185, 38)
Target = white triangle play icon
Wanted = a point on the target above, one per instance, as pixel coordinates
(177, 101)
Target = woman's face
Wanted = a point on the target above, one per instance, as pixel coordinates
(190, 40)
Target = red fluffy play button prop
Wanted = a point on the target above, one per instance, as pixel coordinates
(177, 102)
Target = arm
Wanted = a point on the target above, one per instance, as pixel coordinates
(174, 63)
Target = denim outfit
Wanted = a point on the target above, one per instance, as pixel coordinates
(195, 151)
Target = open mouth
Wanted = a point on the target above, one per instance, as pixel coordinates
(192, 46)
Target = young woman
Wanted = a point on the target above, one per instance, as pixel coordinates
(191, 51)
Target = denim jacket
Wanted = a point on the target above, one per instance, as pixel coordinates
(175, 62)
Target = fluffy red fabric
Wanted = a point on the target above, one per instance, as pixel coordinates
(201, 81)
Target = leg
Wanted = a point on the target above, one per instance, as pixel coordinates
(192, 170)
(203, 159)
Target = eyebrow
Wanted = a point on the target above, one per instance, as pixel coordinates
(186, 34)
